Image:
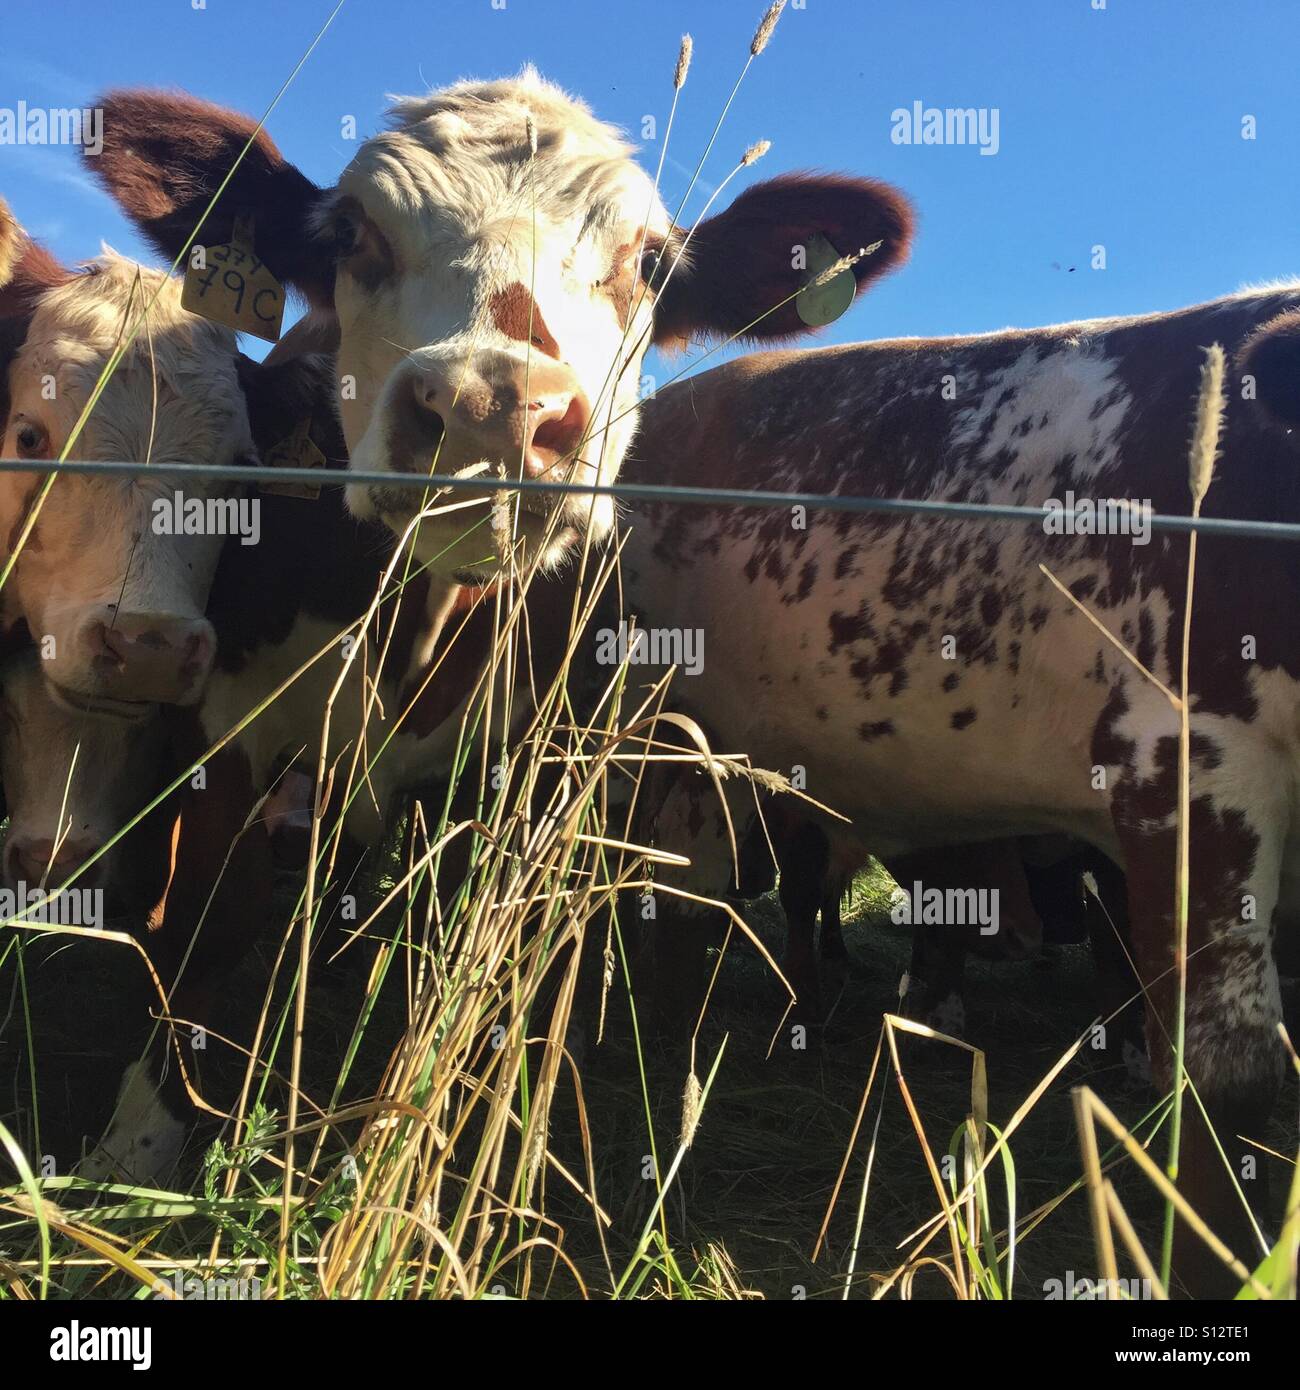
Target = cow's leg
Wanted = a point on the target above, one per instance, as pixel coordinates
(805, 863)
(1232, 1052)
(832, 932)
(688, 820)
(1118, 990)
(938, 967)
(936, 993)
(213, 912)
(984, 888)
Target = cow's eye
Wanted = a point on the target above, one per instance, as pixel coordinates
(347, 230)
(360, 246)
(653, 265)
(31, 439)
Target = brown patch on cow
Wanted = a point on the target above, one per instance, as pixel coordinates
(1146, 643)
(848, 627)
(890, 659)
(882, 727)
(807, 578)
(447, 679)
(1109, 748)
(515, 313)
(962, 719)
(991, 604)
(950, 681)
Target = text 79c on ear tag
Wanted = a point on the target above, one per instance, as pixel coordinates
(230, 285)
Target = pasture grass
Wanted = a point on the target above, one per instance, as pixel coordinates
(743, 1216)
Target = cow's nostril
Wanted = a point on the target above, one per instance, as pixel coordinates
(558, 438)
(106, 645)
(426, 391)
(416, 430)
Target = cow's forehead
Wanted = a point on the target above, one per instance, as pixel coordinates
(176, 388)
(87, 318)
(459, 162)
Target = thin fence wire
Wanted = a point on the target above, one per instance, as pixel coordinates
(656, 492)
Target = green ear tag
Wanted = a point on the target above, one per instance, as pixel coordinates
(824, 304)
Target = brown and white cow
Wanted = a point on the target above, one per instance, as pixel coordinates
(493, 268)
(496, 264)
(116, 604)
(72, 781)
(935, 685)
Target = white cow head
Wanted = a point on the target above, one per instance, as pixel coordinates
(115, 600)
(71, 782)
(495, 264)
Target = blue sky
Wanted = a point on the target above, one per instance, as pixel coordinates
(1120, 127)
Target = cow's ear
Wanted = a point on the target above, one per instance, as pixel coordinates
(281, 395)
(10, 244)
(27, 271)
(166, 154)
(1271, 359)
(742, 268)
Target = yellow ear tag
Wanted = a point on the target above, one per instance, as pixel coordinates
(230, 285)
(296, 452)
(825, 303)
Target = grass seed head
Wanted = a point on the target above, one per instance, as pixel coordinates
(764, 31)
(683, 61)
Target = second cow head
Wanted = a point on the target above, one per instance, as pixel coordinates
(495, 265)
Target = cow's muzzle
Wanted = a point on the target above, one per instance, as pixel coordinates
(123, 662)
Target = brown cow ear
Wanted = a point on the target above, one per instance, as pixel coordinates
(10, 243)
(742, 268)
(27, 271)
(165, 155)
(1271, 359)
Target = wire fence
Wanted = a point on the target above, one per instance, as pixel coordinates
(654, 492)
